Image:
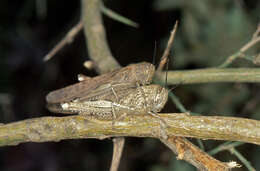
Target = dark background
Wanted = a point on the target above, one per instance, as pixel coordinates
(209, 32)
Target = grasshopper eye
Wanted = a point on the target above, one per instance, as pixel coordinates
(160, 99)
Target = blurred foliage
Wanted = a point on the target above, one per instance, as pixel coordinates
(208, 33)
(207, 28)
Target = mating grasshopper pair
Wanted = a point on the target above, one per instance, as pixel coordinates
(111, 95)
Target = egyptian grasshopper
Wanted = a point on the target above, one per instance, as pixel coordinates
(111, 95)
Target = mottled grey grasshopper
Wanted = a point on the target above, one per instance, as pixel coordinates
(144, 99)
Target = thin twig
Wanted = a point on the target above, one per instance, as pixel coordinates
(225, 146)
(66, 40)
(112, 14)
(255, 39)
(118, 144)
(77, 28)
(168, 48)
(250, 44)
(257, 32)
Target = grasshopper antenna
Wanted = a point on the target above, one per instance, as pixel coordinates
(154, 52)
(166, 78)
(174, 87)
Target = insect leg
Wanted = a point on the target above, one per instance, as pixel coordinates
(117, 99)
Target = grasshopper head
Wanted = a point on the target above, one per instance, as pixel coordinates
(156, 97)
(143, 72)
(160, 97)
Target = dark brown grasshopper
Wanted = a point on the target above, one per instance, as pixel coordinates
(124, 78)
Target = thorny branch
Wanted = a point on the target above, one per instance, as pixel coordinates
(77, 127)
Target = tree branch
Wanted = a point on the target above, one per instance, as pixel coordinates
(211, 75)
(192, 154)
(179, 124)
(95, 34)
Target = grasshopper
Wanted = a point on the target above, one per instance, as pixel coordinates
(144, 99)
(129, 76)
(93, 97)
